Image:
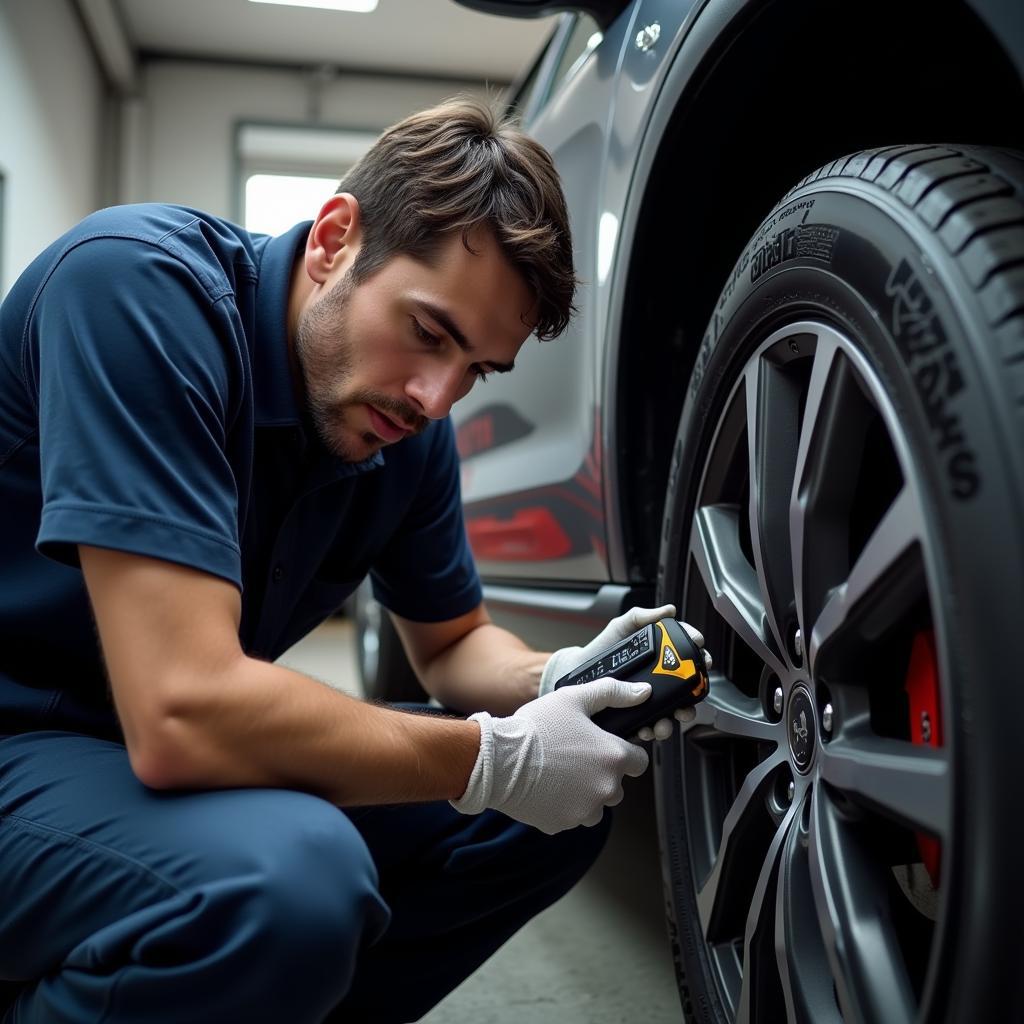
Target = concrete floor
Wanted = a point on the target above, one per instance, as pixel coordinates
(599, 955)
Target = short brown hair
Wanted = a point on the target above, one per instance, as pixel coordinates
(454, 167)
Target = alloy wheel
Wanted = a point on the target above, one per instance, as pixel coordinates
(816, 781)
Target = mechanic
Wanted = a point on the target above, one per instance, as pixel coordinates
(193, 424)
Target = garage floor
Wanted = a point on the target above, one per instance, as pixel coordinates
(599, 955)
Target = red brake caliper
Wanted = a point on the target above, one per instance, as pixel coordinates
(922, 687)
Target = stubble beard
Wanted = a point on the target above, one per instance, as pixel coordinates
(323, 347)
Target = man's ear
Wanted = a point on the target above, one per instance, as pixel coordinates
(334, 237)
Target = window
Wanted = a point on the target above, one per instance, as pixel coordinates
(583, 40)
(575, 37)
(275, 202)
(520, 101)
(286, 173)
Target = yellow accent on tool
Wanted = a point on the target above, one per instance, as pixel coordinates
(669, 662)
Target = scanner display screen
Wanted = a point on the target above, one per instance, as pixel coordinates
(639, 645)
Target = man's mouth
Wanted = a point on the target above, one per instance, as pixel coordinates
(384, 427)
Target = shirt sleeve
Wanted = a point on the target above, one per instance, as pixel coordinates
(426, 572)
(135, 363)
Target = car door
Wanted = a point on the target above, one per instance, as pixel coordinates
(532, 476)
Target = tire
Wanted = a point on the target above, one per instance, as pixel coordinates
(384, 671)
(839, 824)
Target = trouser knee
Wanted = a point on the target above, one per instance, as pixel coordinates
(298, 906)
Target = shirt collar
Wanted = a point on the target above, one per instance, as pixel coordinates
(273, 384)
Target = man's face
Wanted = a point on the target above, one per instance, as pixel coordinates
(382, 358)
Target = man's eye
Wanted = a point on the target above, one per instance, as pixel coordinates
(425, 336)
(482, 373)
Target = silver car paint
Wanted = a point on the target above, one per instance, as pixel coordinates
(560, 387)
(564, 388)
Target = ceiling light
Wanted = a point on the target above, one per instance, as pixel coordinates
(354, 6)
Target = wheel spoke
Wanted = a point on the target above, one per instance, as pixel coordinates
(885, 580)
(832, 435)
(729, 711)
(799, 951)
(724, 897)
(759, 921)
(731, 581)
(908, 784)
(825, 357)
(773, 404)
(850, 896)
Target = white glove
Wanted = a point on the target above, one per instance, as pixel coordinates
(548, 765)
(566, 659)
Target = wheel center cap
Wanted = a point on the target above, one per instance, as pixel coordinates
(801, 728)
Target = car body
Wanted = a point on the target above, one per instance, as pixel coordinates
(565, 462)
(621, 464)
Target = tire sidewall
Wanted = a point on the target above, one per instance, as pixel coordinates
(879, 278)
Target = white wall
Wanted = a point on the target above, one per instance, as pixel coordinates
(176, 137)
(51, 128)
(190, 111)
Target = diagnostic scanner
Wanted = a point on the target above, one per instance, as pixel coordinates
(661, 654)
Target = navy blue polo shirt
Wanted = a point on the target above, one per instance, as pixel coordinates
(147, 405)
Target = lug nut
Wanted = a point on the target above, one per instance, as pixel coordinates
(777, 700)
(826, 718)
(790, 791)
(798, 645)
(926, 727)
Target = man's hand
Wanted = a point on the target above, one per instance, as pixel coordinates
(566, 659)
(548, 765)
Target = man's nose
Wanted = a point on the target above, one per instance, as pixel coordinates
(436, 390)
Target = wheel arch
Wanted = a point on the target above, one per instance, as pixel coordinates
(788, 103)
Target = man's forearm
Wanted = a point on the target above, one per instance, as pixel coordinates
(259, 724)
(489, 669)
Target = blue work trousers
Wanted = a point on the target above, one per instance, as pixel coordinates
(120, 903)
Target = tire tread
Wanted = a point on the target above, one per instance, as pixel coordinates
(976, 207)
(981, 215)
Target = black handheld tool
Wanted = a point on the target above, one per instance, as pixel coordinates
(661, 654)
